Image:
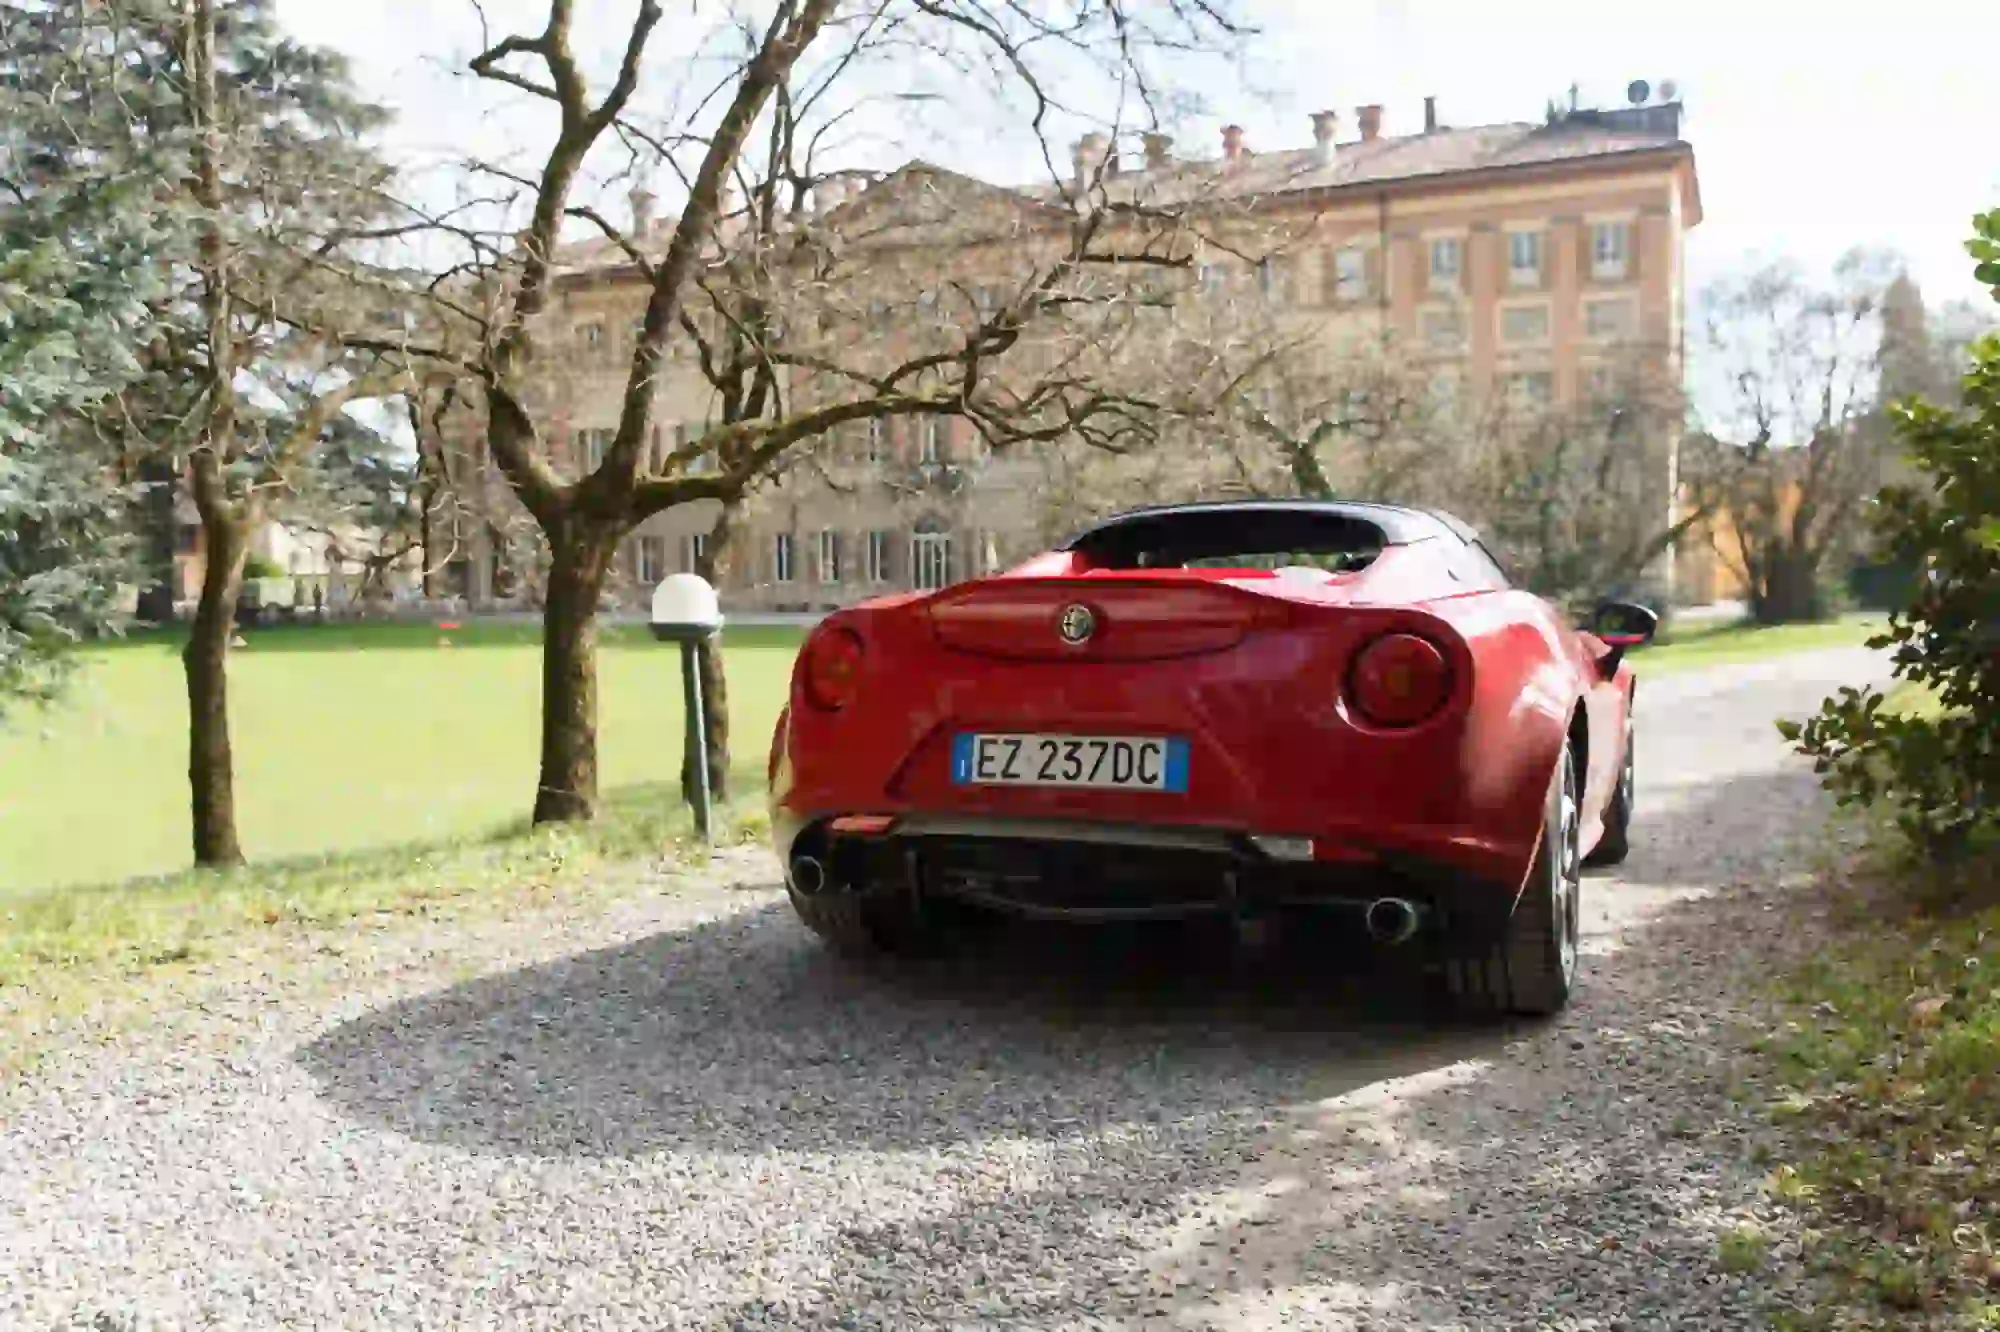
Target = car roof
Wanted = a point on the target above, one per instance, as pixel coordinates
(1399, 525)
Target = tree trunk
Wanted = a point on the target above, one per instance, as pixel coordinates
(1790, 591)
(211, 766)
(1302, 457)
(426, 542)
(567, 789)
(715, 725)
(713, 565)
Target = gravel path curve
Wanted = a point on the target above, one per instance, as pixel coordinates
(679, 1112)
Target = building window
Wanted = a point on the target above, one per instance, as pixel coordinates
(878, 557)
(826, 549)
(1608, 320)
(1270, 279)
(652, 559)
(930, 557)
(781, 557)
(1350, 273)
(1529, 390)
(878, 439)
(1444, 328)
(592, 445)
(1211, 278)
(1447, 261)
(1524, 258)
(1610, 249)
(593, 336)
(1599, 383)
(1441, 394)
(694, 551)
(927, 439)
(1524, 323)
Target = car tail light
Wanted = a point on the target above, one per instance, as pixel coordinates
(1399, 680)
(833, 668)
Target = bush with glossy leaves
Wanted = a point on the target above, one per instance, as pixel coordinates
(1937, 768)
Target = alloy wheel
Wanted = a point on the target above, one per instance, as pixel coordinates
(1567, 867)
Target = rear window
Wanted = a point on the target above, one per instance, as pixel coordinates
(1225, 539)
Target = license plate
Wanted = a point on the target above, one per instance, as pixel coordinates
(1106, 762)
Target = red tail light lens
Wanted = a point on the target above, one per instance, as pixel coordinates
(1399, 680)
(833, 668)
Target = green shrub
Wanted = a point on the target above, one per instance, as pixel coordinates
(257, 566)
(1938, 770)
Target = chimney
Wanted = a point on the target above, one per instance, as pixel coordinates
(642, 211)
(1323, 128)
(1430, 115)
(1232, 143)
(1159, 150)
(1087, 157)
(1371, 122)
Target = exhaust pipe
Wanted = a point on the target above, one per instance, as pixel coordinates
(1392, 920)
(808, 876)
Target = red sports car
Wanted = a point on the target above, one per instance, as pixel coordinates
(1229, 709)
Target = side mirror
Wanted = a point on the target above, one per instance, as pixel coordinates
(1622, 625)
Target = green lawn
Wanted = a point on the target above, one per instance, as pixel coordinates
(351, 738)
(1730, 641)
(347, 738)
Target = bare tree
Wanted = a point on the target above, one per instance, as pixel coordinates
(1263, 393)
(1577, 493)
(281, 186)
(710, 281)
(1578, 497)
(1794, 447)
(1323, 418)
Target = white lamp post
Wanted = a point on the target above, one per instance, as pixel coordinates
(685, 611)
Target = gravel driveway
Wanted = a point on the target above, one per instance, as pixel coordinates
(681, 1113)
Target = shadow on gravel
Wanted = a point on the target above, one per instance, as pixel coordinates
(1576, 1176)
(743, 1034)
(1559, 1175)
(1578, 1181)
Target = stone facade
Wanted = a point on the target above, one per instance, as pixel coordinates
(1520, 259)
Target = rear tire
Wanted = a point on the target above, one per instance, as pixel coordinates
(1531, 969)
(1616, 844)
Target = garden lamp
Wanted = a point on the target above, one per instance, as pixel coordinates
(685, 611)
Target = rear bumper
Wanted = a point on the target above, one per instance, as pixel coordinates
(1102, 872)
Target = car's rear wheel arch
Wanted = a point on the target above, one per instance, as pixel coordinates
(1579, 747)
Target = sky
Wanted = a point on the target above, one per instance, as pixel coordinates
(1815, 126)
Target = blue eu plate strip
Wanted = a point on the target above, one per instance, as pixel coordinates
(1177, 766)
(961, 758)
